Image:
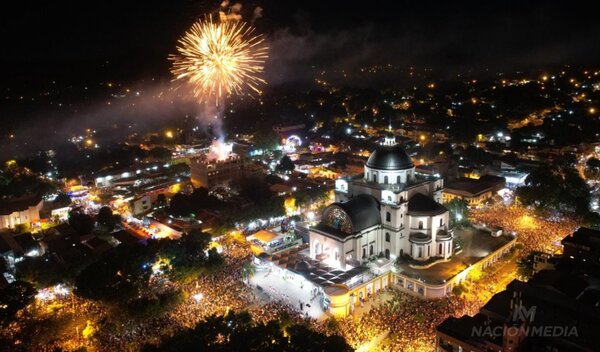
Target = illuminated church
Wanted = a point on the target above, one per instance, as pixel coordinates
(389, 211)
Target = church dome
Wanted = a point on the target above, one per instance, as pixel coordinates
(390, 157)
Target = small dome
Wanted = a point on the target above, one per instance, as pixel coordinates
(336, 290)
(355, 215)
(390, 157)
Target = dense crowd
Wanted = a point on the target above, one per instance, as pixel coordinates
(408, 322)
(536, 233)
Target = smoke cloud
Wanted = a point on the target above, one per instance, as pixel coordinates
(230, 13)
(256, 14)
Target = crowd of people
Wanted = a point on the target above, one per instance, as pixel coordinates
(407, 322)
(534, 232)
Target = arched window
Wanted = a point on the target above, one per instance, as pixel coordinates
(387, 236)
(441, 221)
(371, 250)
(420, 225)
(440, 248)
(389, 198)
(387, 253)
(385, 180)
(420, 252)
(364, 253)
(388, 216)
(374, 177)
(398, 179)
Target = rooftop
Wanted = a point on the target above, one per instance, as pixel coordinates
(477, 244)
(390, 157)
(11, 205)
(317, 272)
(420, 204)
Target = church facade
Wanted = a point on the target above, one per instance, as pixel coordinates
(388, 211)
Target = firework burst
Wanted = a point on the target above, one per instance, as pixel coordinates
(219, 58)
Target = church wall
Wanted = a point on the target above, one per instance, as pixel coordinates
(414, 224)
(393, 176)
(323, 244)
(395, 216)
(368, 239)
(422, 188)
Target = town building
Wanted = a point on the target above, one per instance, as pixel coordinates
(19, 211)
(474, 191)
(140, 205)
(216, 172)
(558, 309)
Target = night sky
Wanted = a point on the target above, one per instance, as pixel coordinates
(46, 39)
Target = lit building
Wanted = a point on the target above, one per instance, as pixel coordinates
(387, 211)
(211, 173)
(140, 205)
(556, 310)
(386, 227)
(17, 211)
(474, 191)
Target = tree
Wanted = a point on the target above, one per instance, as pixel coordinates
(106, 217)
(558, 187)
(286, 165)
(459, 211)
(265, 138)
(591, 219)
(341, 160)
(248, 270)
(81, 222)
(120, 274)
(180, 205)
(592, 169)
(255, 189)
(42, 271)
(161, 201)
(188, 256)
(62, 199)
(160, 153)
(238, 332)
(16, 296)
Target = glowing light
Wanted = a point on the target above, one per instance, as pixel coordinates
(218, 58)
(290, 206)
(527, 222)
(219, 150)
(198, 297)
(89, 330)
(169, 134)
(175, 188)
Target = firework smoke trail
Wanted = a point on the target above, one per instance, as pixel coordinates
(218, 59)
